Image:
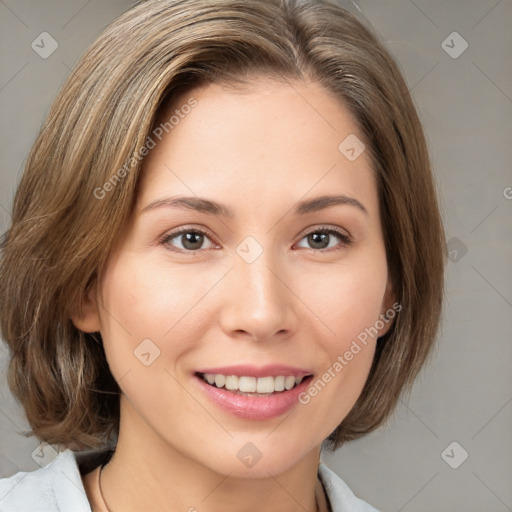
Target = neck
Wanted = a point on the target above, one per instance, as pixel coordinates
(156, 476)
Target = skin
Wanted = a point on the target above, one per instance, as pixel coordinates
(259, 153)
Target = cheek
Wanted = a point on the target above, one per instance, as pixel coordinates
(340, 386)
(349, 308)
(142, 317)
(350, 302)
(143, 301)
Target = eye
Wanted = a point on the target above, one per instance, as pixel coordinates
(320, 238)
(190, 239)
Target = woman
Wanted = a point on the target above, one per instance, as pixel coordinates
(226, 251)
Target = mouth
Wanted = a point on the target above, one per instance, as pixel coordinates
(254, 393)
(246, 385)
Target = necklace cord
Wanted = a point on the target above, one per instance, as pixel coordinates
(99, 487)
(317, 507)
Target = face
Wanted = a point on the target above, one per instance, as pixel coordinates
(272, 289)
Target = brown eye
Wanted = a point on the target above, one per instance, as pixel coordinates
(187, 240)
(320, 239)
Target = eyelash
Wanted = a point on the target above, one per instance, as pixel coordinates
(344, 238)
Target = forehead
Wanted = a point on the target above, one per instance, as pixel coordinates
(274, 135)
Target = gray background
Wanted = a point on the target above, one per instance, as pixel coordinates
(465, 102)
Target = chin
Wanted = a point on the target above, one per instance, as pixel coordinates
(257, 457)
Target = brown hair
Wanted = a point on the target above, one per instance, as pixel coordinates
(63, 231)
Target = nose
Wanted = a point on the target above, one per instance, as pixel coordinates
(258, 300)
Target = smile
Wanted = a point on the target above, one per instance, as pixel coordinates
(254, 393)
(247, 385)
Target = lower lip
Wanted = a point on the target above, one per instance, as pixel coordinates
(254, 407)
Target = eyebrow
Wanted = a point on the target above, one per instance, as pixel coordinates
(204, 205)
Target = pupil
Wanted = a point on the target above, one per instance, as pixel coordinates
(194, 240)
(189, 240)
(319, 238)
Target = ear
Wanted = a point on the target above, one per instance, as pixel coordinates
(389, 309)
(89, 320)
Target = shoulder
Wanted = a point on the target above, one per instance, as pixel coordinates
(339, 494)
(55, 487)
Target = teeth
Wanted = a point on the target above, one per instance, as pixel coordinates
(231, 382)
(279, 383)
(266, 385)
(260, 385)
(247, 384)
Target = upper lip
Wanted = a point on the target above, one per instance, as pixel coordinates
(270, 370)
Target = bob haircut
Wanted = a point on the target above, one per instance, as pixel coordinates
(80, 184)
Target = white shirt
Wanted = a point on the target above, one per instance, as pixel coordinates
(58, 487)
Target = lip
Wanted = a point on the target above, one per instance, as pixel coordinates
(270, 370)
(256, 408)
